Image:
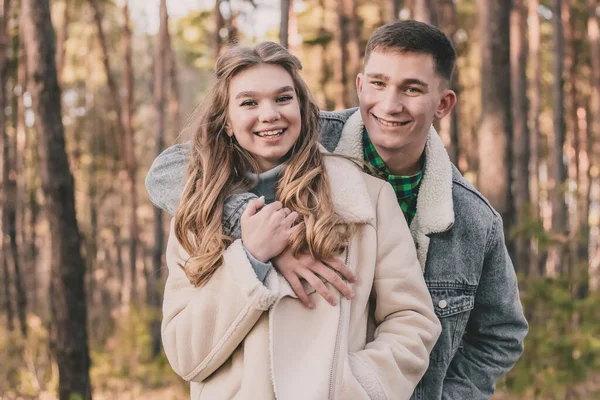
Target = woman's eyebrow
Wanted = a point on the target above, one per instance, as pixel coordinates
(282, 89)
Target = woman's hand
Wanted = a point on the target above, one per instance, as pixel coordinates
(266, 230)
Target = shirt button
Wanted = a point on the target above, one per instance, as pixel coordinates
(443, 304)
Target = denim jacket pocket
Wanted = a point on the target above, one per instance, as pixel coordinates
(452, 302)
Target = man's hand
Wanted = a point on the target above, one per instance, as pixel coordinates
(306, 267)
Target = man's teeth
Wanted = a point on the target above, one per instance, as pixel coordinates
(389, 123)
(270, 133)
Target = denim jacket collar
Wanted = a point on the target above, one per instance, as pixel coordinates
(435, 207)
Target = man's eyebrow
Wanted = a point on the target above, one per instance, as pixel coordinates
(415, 81)
(377, 75)
(282, 89)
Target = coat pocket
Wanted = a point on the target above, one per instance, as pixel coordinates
(452, 302)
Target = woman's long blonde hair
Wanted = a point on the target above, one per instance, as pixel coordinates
(219, 165)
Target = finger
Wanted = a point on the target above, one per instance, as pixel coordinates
(273, 207)
(299, 290)
(253, 207)
(318, 285)
(342, 269)
(290, 219)
(332, 277)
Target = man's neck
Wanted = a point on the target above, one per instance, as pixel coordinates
(402, 162)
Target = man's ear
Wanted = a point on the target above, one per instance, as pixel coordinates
(446, 103)
(359, 82)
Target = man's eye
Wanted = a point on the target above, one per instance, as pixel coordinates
(377, 83)
(412, 90)
(248, 103)
(284, 99)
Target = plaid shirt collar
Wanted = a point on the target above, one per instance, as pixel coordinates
(406, 187)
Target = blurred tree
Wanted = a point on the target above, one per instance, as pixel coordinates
(535, 109)
(67, 297)
(449, 126)
(556, 262)
(518, 74)
(160, 79)
(494, 178)
(219, 26)
(286, 6)
(425, 11)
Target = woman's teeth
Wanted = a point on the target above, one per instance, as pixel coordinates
(276, 132)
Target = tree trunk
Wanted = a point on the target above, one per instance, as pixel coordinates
(155, 275)
(425, 11)
(340, 57)
(518, 61)
(174, 107)
(61, 39)
(130, 159)
(12, 190)
(449, 126)
(219, 25)
(390, 11)
(68, 301)
(110, 80)
(594, 42)
(284, 23)
(495, 130)
(556, 263)
(6, 185)
(535, 108)
(353, 50)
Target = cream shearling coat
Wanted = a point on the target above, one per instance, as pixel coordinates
(235, 338)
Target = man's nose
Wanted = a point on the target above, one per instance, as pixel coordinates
(392, 103)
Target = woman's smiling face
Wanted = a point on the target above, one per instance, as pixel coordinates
(264, 113)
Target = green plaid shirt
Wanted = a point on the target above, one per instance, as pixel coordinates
(406, 187)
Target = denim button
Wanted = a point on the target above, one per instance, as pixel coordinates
(443, 304)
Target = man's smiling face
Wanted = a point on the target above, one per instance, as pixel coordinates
(399, 95)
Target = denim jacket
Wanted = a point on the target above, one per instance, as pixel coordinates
(460, 245)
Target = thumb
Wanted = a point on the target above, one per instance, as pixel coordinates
(253, 207)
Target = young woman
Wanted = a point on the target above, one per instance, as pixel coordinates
(231, 324)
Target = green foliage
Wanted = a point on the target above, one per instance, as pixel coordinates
(562, 349)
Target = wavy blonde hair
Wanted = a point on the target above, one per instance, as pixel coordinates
(219, 165)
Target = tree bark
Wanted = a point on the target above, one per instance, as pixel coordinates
(284, 23)
(6, 197)
(13, 192)
(495, 129)
(130, 159)
(556, 257)
(594, 42)
(340, 57)
(155, 275)
(353, 50)
(535, 108)
(61, 39)
(449, 126)
(518, 61)
(425, 11)
(68, 301)
(219, 25)
(390, 11)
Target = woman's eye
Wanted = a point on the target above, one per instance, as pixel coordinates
(283, 99)
(248, 103)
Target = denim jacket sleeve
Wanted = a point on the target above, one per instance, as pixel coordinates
(166, 178)
(493, 341)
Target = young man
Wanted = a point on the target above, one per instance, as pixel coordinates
(458, 235)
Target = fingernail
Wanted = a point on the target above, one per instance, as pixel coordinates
(351, 295)
(311, 305)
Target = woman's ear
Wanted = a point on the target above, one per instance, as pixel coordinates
(228, 130)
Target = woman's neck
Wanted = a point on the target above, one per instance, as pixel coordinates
(266, 182)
